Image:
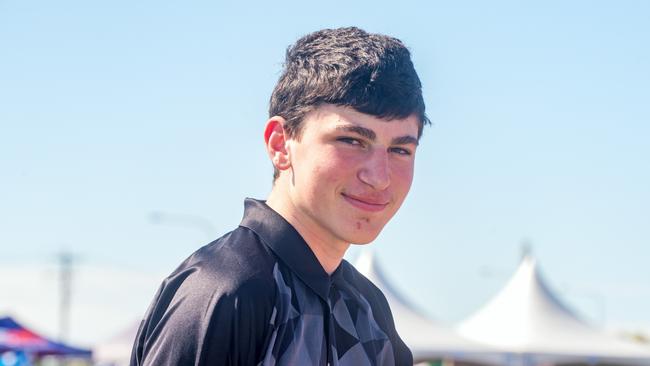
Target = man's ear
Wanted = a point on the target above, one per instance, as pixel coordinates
(276, 139)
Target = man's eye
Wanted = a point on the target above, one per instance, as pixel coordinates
(401, 151)
(350, 140)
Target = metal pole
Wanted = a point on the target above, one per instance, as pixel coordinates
(65, 278)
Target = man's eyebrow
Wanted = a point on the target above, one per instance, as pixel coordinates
(365, 132)
(405, 140)
(371, 135)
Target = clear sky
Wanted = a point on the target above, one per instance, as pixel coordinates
(111, 111)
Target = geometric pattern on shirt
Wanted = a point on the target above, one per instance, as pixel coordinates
(299, 333)
(359, 339)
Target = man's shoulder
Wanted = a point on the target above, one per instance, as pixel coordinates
(238, 261)
(235, 267)
(222, 292)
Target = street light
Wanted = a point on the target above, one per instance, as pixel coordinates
(187, 220)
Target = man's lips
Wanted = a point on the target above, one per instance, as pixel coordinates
(371, 204)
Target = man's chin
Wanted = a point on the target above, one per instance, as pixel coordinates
(364, 239)
(362, 243)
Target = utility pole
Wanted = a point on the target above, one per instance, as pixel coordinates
(65, 283)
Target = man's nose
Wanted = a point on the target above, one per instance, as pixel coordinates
(375, 171)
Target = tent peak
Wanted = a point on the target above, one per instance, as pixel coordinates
(427, 339)
(368, 266)
(526, 316)
(365, 262)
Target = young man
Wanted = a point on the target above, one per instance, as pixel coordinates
(345, 120)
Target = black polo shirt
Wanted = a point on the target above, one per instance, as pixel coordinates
(259, 296)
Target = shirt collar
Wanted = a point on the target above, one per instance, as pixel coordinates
(287, 244)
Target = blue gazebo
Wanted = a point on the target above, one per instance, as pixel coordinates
(16, 338)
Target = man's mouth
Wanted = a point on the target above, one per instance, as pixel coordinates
(366, 203)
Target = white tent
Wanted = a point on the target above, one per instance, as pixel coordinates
(116, 351)
(528, 320)
(427, 339)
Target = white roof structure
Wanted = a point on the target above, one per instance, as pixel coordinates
(427, 339)
(527, 319)
(116, 351)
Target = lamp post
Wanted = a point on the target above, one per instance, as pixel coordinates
(187, 220)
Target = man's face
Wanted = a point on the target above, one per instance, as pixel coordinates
(350, 172)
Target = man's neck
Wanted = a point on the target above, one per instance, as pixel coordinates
(327, 250)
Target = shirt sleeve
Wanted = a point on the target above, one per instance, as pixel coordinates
(194, 321)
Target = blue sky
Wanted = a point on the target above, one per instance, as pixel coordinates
(110, 111)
